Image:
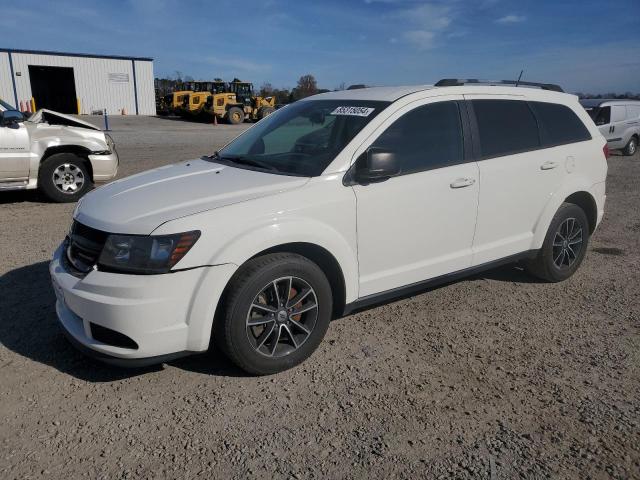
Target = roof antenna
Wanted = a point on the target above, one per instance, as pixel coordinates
(519, 77)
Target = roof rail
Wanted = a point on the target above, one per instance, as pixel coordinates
(457, 82)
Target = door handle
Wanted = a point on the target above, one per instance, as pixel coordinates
(462, 182)
(548, 165)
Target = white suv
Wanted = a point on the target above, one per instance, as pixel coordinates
(61, 155)
(331, 204)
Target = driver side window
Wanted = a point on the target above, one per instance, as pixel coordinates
(425, 138)
(10, 118)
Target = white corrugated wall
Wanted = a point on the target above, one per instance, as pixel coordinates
(6, 87)
(101, 83)
(146, 91)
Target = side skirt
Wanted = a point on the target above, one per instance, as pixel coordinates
(419, 287)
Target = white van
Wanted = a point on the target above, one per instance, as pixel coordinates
(331, 204)
(618, 121)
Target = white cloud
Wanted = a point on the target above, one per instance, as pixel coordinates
(428, 16)
(423, 39)
(428, 21)
(509, 19)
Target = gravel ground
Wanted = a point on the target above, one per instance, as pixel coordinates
(497, 376)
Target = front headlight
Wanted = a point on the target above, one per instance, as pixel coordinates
(111, 146)
(144, 254)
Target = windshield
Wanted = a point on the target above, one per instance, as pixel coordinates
(6, 106)
(303, 138)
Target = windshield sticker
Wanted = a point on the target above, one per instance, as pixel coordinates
(356, 111)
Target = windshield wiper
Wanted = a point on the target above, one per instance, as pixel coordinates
(242, 161)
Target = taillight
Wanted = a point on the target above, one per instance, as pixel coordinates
(605, 150)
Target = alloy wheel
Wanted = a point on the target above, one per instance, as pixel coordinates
(282, 316)
(567, 243)
(68, 178)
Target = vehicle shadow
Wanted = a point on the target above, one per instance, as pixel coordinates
(29, 327)
(21, 196)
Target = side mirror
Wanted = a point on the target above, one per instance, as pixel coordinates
(317, 118)
(376, 165)
(11, 118)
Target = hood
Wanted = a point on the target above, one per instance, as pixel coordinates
(142, 202)
(54, 118)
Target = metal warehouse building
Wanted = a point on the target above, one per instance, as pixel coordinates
(77, 83)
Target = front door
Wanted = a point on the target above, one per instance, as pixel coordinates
(420, 224)
(14, 152)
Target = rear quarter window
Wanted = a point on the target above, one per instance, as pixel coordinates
(506, 127)
(558, 124)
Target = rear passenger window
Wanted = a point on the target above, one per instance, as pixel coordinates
(505, 127)
(425, 138)
(559, 125)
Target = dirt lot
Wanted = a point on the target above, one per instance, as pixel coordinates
(496, 376)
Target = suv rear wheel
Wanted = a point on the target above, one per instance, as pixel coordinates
(64, 177)
(564, 246)
(276, 312)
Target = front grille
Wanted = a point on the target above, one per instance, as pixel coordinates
(83, 247)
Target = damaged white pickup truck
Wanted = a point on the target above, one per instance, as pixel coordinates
(58, 154)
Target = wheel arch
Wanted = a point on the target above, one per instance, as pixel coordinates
(588, 204)
(327, 263)
(80, 151)
(579, 193)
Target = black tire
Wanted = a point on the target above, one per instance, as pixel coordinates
(266, 111)
(554, 262)
(76, 170)
(235, 116)
(238, 340)
(631, 147)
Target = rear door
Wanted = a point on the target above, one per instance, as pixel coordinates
(632, 124)
(517, 178)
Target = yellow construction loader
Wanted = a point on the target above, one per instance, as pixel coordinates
(239, 103)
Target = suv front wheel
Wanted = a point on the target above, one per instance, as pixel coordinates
(277, 310)
(564, 247)
(63, 177)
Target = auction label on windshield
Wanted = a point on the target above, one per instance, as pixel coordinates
(357, 111)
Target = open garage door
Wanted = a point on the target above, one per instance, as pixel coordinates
(54, 88)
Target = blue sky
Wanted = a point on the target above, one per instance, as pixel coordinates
(584, 45)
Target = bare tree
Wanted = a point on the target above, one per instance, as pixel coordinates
(266, 90)
(307, 86)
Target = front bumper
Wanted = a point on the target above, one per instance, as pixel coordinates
(167, 316)
(105, 167)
